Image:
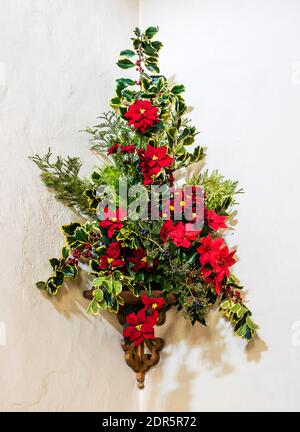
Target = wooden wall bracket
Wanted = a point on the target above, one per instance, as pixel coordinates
(141, 361)
(146, 355)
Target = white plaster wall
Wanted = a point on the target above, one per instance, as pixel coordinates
(57, 71)
(240, 62)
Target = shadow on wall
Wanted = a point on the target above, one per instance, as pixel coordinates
(168, 386)
(70, 301)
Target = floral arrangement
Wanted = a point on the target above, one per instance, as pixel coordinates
(182, 251)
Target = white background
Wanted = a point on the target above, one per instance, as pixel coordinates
(240, 63)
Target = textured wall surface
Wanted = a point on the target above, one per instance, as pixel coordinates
(57, 71)
(240, 62)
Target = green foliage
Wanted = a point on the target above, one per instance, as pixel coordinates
(174, 129)
(78, 235)
(62, 178)
(62, 270)
(110, 130)
(220, 193)
(145, 261)
(192, 297)
(106, 175)
(106, 293)
(240, 316)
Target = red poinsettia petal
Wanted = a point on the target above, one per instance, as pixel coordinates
(166, 161)
(141, 316)
(117, 263)
(139, 340)
(132, 319)
(146, 300)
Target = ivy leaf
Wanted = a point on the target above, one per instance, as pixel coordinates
(251, 323)
(109, 285)
(98, 294)
(242, 330)
(115, 307)
(235, 308)
(125, 63)
(127, 53)
(241, 312)
(121, 300)
(225, 305)
(98, 281)
(93, 307)
(117, 287)
(151, 31)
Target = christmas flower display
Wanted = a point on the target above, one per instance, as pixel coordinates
(138, 267)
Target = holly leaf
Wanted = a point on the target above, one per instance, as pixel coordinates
(177, 89)
(151, 31)
(152, 67)
(115, 101)
(54, 263)
(125, 63)
(124, 82)
(65, 252)
(69, 230)
(70, 271)
(127, 53)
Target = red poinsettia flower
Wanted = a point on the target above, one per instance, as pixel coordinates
(140, 327)
(153, 159)
(112, 258)
(223, 261)
(113, 221)
(213, 279)
(112, 149)
(153, 304)
(180, 235)
(128, 149)
(166, 228)
(209, 249)
(142, 115)
(215, 221)
(219, 260)
(140, 260)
